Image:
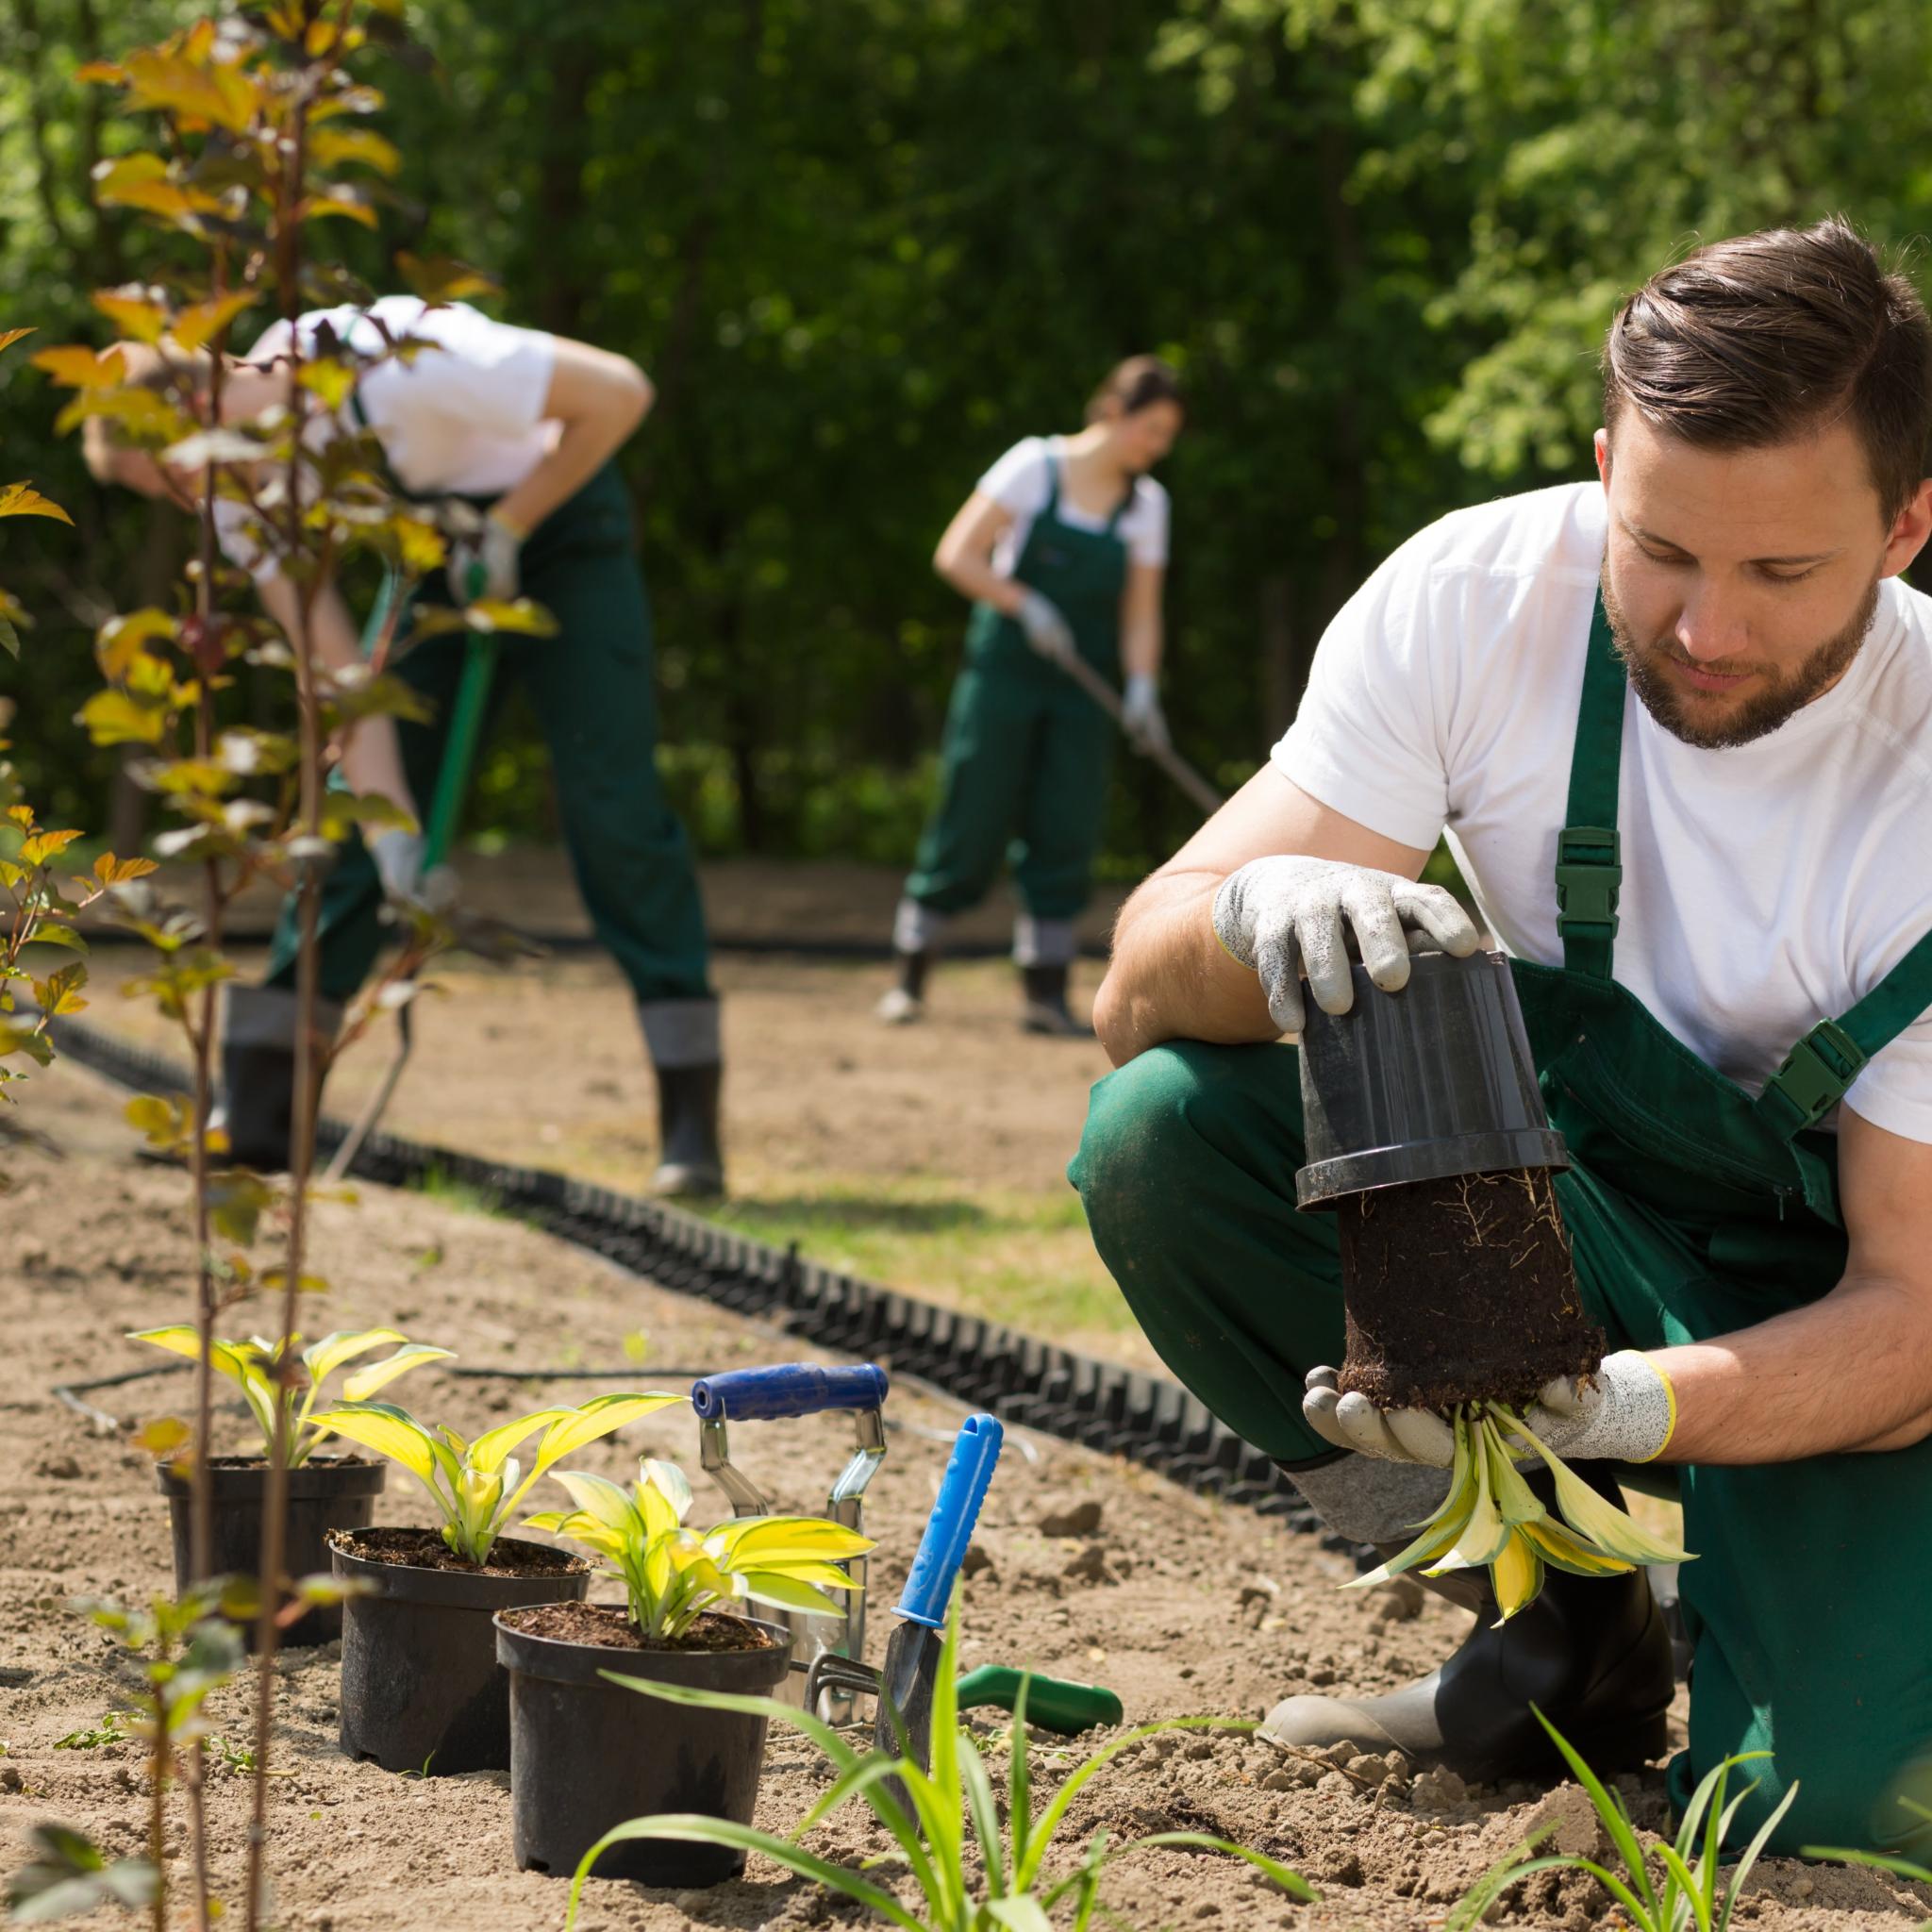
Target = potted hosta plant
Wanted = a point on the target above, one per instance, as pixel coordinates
(326, 1493)
(582, 1762)
(421, 1688)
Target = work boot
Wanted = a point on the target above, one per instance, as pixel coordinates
(1045, 1008)
(1591, 1653)
(905, 1003)
(682, 1037)
(254, 1078)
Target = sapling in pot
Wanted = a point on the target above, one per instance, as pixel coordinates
(324, 1492)
(583, 1756)
(420, 1687)
(1428, 1140)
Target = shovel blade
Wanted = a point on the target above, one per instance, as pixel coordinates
(906, 1691)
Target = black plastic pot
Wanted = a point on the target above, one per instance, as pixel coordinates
(1435, 1080)
(420, 1687)
(587, 1754)
(327, 1493)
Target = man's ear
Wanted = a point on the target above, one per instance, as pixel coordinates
(1910, 530)
(1601, 443)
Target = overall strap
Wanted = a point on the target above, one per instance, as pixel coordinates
(1819, 1070)
(1050, 509)
(1120, 510)
(1589, 859)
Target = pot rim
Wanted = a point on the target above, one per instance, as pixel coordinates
(460, 1589)
(556, 1659)
(245, 1478)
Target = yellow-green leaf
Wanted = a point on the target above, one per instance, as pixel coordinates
(196, 328)
(24, 500)
(392, 1434)
(74, 366)
(365, 1382)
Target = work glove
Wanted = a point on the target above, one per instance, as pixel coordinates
(1046, 630)
(1625, 1413)
(1141, 713)
(489, 552)
(398, 856)
(1284, 916)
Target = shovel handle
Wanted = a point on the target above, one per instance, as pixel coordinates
(787, 1389)
(948, 1530)
(1052, 1702)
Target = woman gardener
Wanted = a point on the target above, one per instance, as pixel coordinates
(1063, 549)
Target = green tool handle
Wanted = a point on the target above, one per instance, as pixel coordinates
(460, 747)
(1052, 1702)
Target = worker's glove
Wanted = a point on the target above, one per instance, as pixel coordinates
(1046, 630)
(1141, 713)
(483, 563)
(398, 856)
(1285, 916)
(1625, 1413)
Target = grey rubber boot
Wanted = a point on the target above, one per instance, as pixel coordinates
(1591, 1653)
(1045, 1009)
(905, 1002)
(683, 1040)
(255, 1074)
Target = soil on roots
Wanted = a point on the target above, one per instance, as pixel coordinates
(1182, 1606)
(1460, 1290)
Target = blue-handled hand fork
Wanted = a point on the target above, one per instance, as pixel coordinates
(768, 1394)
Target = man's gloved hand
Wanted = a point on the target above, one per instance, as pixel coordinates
(1626, 1413)
(1141, 715)
(1284, 916)
(492, 549)
(1046, 630)
(398, 856)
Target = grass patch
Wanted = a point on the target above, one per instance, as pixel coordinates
(439, 1184)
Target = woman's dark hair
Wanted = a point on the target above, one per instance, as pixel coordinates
(1763, 338)
(1138, 383)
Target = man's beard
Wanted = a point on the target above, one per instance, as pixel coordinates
(1779, 695)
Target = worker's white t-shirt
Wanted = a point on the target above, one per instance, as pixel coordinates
(462, 418)
(1765, 887)
(1021, 480)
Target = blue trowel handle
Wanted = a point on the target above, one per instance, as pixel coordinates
(949, 1529)
(748, 1396)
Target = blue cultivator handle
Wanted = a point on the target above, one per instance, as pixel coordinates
(787, 1389)
(949, 1529)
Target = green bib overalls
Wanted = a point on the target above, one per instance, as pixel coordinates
(1027, 753)
(1694, 1208)
(596, 705)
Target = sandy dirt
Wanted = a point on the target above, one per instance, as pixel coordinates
(1181, 1606)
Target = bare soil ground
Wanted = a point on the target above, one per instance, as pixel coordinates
(1183, 1607)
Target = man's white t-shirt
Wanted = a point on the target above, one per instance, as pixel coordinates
(1765, 887)
(1021, 481)
(462, 418)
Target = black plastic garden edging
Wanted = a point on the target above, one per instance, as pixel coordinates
(1021, 1379)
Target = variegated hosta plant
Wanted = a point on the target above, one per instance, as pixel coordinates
(477, 1484)
(252, 1365)
(1491, 1516)
(673, 1574)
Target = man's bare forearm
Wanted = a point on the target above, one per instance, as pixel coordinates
(1853, 1371)
(1170, 978)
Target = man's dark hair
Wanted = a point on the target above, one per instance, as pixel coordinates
(1765, 337)
(1138, 383)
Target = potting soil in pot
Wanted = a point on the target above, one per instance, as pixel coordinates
(424, 1549)
(1462, 1290)
(606, 1624)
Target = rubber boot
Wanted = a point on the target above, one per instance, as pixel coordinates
(255, 1080)
(905, 1003)
(1046, 1009)
(691, 1161)
(1591, 1653)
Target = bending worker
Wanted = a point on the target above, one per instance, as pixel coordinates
(1677, 723)
(1063, 549)
(524, 426)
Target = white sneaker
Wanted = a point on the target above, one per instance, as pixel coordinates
(900, 1007)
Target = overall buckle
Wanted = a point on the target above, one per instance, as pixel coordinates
(1817, 1072)
(1590, 873)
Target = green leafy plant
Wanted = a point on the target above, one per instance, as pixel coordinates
(283, 1402)
(1884, 1862)
(1687, 1892)
(475, 1485)
(947, 1812)
(1492, 1517)
(671, 1575)
(113, 1729)
(69, 1875)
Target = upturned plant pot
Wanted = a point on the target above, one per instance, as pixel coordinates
(1423, 1084)
(327, 1493)
(420, 1687)
(587, 1755)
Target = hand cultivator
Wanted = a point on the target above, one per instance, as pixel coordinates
(768, 1394)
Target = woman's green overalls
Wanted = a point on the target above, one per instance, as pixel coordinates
(1695, 1208)
(596, 704)
(1027, 753)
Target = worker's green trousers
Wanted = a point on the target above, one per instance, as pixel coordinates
(592, 686)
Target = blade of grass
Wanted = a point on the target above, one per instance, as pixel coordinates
(1759, 1838)
(1615, 1823)
(1290, 1880)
